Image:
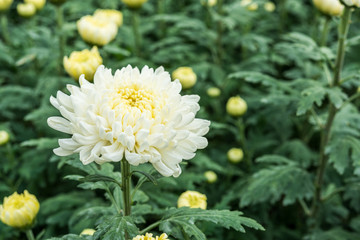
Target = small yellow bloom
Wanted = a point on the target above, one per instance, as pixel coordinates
(186, 76)
(88, 231)
(111, 15)
(26, 9)
(252, 7)
(149, 236)
(192, 199)
(245, 2)
(134, 3)
(209, 3)
(4, 137)
(39, 4)
(210, 176)
(83, 62)
(97, 31)
(236, 106)
(213, 92)
(269, 6)
(5, 4)
(19, 210)
(235, 155)
(329, 7)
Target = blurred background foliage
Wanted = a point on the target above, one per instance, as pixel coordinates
(273, 60)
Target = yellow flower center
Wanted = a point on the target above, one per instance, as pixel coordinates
(81, 57)
(17, 204)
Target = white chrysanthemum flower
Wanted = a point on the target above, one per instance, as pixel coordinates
(137, 115)
(352, 3)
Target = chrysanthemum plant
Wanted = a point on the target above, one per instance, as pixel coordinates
(119, 125)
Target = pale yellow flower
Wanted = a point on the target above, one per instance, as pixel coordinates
(97, 31)
(88, 231)
(138, 116)
(352, 3)
(19, 210)
(186, 76)
(210, 176)
(83, 62)
(236, 106)
(245, 2)
(269, 6)
(235, 155)
(111, 15)
(329, 7)
(213, 92)
(149, 236)
(134, 3)
(39, 4)
(5, 4)
(26, 9)
(192, 199)
(209, 3)
(252, 7)
(4, 137)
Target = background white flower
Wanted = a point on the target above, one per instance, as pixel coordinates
(137, 115)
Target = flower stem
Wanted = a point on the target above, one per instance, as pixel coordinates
(4, 28)
(60, 22)
(137, 35)
(325, 135)
(125, 187)
(150, 227)
(29, 234)
(325, 31)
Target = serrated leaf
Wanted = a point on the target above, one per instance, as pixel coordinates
(336, 96)
(113, 228)
(97, 178)
(309, 97)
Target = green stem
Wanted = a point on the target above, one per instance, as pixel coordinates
(150, 227)
(125, 187)
(162, 24)
(136, 32)
(325, 136)
(4, 28)
(29, 234)
(60, 22)
(325, 31)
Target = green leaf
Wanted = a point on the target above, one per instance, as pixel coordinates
(309, 97)
(187, 217)
(41, 143)
(147, 175)
(113, 228)
(97, 178)
(336, 96)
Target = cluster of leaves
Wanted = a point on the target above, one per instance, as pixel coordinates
(272, 59)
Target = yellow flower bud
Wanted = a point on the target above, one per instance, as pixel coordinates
(210, 176)
(245, 2)
(39, 4)
(83, 62)
(134, 3)
(5, 4)
(192, 199)
(252, 7)
(235, 155)
(209, 3)
(236, 106)
(329, 7)
(213, 92)
(98, 31)
(269, 6)
(149, 236)
(186, 76)
(4, 137)
(88, 231)
(26, 9)
(111, 15)
(19, 210)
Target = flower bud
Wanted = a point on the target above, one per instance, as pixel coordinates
(5, 4)
(88, 231)
(213, 92)
(39, 4)
(26, 9)
(19, 210)
(97, 31)
(329, 7)
(210, 176)
(192, 199)
(252, 7)
(209, 3)
(134, 4)
(352, 3)
(83, 62)
(269, 6)
(186, 76)
(110, 15)
(236, 106)
(235, 155)
(4, 137)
